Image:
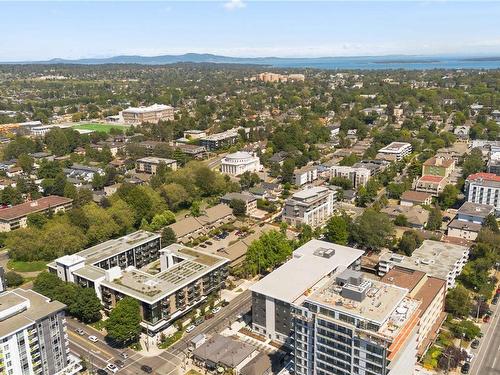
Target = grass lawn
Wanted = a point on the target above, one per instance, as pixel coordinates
(19, 266)
(100, 127)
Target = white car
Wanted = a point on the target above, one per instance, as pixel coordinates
(190, 328)
(111, 367)
(93, 338)
(80, 331)
(216, 309)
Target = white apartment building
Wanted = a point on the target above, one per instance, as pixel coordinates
(359, 176)
(152, 114)
(150, 164)
(33, 337)
(312, 206)
(239, 163)
(442, 260)
(394, 151)
(305, 175)
(484, 188)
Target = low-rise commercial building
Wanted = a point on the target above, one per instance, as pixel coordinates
(312, 206)
(150, 164)
(444, 261)
(152, 114)
(483, 188)
(394, 151)
(305, 175)
(168, 282)
(17, 216)
(33, 335)
(239, 163)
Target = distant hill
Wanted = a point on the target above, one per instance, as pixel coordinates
(351, 62)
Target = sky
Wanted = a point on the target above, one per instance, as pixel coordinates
(245, 28)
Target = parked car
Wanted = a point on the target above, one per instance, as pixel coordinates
(203, 246)
(209, 316)
(147, 369)
(474, 344)
(124, 355)
(494, 301)
(465, 368)
(486, 319)
(470, 357)
(190, 328)
(111, 367)
(216, 309)
(119, 363)
(93, 338)
(198, 321)
(101, 372)
(80, 331)
(209, 243)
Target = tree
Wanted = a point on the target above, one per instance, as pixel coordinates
(466, 329)
(168, 236)
(175, 195)
(123, 326)
(491, 223)
(195, 209)
(458, 302)
(86, 306)
(473, 162)
(160, 220)
(451, 358)
(401, 220)
(36, 220)
(336, 229)
(350, 159)
(343, 182)
(372, 229)
(249, 180)
(410, 241)
(46, 283)
(435, 219)
(287, 170)
(239, 207)
(26, 163)
(270, 250)
(448, 197)
(13, 279)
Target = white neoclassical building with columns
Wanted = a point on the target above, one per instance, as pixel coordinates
(239, 163)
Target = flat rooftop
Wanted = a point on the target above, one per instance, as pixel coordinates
(394, 147)
(310, 193)
(435, 258)
(109, 248)
(385, 305)
(150, 284)
(310, 263)
(20, 308)
(476, 209)
(155, 160)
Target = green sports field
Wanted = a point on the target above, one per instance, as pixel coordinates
(100, 127)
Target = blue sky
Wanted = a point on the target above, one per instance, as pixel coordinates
(44, 30)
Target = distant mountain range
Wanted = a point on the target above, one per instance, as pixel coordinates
(358, 62)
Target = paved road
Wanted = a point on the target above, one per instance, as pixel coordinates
(487, 361)
(170, 362)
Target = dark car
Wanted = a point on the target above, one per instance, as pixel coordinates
(147, 369)
(465, 368)
(102, 372)
(209, 243)
(474, 344)
(203, 246)
(494, 301)
(198, 321)
(486, 319)
(119, 363)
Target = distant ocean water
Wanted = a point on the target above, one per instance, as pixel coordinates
(379, 63)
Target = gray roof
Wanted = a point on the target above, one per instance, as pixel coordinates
(224, 350)
(31, 308)
(308, 266)
(465, 225)
(240, 196)
(476, 209)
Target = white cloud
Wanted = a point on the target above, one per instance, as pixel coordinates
(234, 4)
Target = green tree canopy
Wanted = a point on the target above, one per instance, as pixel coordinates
(123, 326)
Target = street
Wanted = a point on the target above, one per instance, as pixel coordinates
(170, 361)
(487, 361)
